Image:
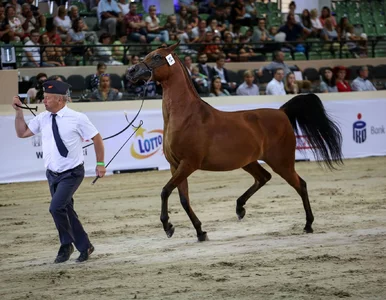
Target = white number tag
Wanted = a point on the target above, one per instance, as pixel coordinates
(170, 60)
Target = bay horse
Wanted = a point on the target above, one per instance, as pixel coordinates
(199, 137)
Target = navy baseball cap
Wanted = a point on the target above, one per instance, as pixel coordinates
(56, 87)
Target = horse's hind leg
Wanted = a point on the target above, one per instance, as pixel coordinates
(286, 169)
(179, 174)
(261, 177)
(185, 202)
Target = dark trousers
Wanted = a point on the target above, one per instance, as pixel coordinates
(62, 188)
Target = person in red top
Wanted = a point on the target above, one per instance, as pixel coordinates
(135, 25)
(342, 84)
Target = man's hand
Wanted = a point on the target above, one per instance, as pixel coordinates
(16, 101)
(100, 171)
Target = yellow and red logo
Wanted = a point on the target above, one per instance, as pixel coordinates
(147, 143)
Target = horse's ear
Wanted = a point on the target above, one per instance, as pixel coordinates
(174, 46)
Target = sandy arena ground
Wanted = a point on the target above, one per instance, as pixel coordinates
(265, 256)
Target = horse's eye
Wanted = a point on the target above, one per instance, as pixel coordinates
(157, 57)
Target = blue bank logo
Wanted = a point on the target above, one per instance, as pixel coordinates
(359, 130)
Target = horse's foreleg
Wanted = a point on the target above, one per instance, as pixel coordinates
(179, 174)
(261, 177)
(183, 191)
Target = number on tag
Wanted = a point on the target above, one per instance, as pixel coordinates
(170, 60)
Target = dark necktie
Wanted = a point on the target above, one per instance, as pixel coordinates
(59, 143)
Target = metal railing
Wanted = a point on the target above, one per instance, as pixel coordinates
(83, 55)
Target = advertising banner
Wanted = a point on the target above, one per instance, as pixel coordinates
(362, 124)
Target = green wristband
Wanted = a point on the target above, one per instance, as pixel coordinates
(99, 163)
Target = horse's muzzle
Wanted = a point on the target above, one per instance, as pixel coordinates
(137, 73)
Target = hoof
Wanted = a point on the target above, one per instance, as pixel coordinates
(240, 211)
(308, 229)
(170, 231)
(203, 237)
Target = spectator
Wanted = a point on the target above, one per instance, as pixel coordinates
(291, 10)
(357, 45)
(155, 32)
(124, 6)
(230, 48)
(27, 19)
(212, 50)
(222, 72)
(16, 31)
(238, 14)
(213, 28)
(16, 6)
(278, 62)
(188, 38)
(62, 22)
(362, 83)
(32, 52)
(194, 18)
(171, 25)
(276, 85)
(119, 49)
(54, 37)
(341, 83)
(248, 88)
(51, 55)
(91, 36)
(4, 29)
(306, 22)
(328, 82)
(200, 80)
(217, 89)
(94, 81)
(104, 51)
(36, 12)
(329, 34)
(105, 92)
(326, 14)
(316, 24)
(293, 31)
(188, 64)
(135, 25)
(291, 87)
(182, 18)
(77, 37)
(32, 93)
(250, 9)
(109, 16)
(203, 67)
(219, 15)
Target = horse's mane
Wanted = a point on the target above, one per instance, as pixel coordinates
(190, 82)
(187, 76)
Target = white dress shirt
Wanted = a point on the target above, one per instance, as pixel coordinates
(74, 127)
(275, 87)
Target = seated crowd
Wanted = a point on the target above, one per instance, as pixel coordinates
(234, 29)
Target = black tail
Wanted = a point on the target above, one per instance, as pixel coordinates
(323, 134)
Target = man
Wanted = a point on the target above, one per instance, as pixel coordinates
(63, 131)
(276, 85)
(109, 16)
(135, 26)
(222, 72)
(27, 20)
(203, 67)
(36, 94)
(361, 83)
(248, 88)
(32, 56)
(278, 62)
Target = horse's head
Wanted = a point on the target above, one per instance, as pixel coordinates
(156, 65)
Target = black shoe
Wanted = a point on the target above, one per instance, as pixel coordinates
(64, 253)
(84, 255)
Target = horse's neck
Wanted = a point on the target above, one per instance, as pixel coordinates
(179, 94)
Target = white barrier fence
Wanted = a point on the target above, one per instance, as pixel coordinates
(362, 123)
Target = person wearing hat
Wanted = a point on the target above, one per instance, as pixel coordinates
(341, 73)
(63, 131)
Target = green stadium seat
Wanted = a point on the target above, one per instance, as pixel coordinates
(327, 55)
(204, 16)
(313, 55)
(287, 56)
(379, 53)
(381, 29)
(370, 30)
(299, 56)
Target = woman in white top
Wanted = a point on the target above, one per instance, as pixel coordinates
(316, 24)
(155, 32)
(104, 53)
(16, 31)
(124, 7)
(16, 6)
(62, 22)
